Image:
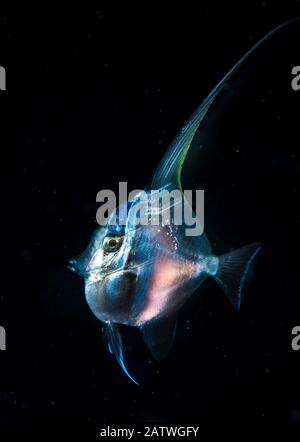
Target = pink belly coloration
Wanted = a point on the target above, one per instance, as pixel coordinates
(168, 275)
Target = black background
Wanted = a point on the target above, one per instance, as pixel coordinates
(94, 96)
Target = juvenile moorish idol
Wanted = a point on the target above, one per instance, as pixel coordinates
(140, 275)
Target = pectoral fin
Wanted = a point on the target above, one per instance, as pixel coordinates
(159, 336)
(114, 343)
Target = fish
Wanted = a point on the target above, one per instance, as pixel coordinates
(141, 275)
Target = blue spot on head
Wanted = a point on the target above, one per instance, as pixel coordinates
(118, 227)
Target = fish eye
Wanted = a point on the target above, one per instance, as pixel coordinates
(112, 243)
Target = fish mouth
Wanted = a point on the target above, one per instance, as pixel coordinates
(73, 266)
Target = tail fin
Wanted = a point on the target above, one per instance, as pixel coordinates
(233, 269)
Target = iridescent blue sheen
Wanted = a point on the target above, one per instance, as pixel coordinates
(140, 275)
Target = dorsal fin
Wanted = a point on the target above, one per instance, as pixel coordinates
(170, 168)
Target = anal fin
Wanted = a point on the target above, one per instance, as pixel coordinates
(159, 335)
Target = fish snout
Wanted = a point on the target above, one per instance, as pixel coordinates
(76, 266)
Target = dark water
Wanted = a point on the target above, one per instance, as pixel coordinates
(94, 97)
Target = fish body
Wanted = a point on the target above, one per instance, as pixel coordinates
(140, 275)
(151, 275)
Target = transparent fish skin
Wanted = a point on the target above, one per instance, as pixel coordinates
(151, 274)
(156, 268)
(146, 281)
